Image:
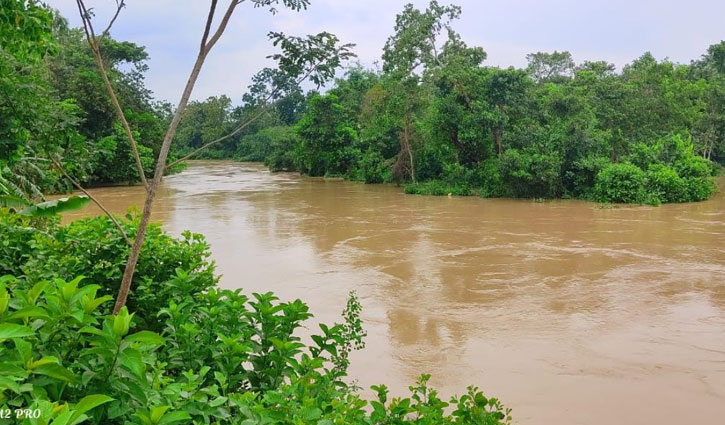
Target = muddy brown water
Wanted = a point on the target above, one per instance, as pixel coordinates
(569, 313)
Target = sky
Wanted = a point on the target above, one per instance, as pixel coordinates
(616, 31)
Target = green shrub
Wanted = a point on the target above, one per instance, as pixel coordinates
(222, 359)
(95, 249)
(665, 185)
(699, 188)
(371, 168)
(695, 166)
(531, 174)
(487, 178)
(621, 183)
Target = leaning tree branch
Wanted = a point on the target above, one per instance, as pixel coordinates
(92, 198)
(120, 4)
(241, 127)
(207, 27)
(135, 252)
(96, 50)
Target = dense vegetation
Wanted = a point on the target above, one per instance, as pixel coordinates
(189, 352)
(435, 117)
(54, 106)
(180, 350)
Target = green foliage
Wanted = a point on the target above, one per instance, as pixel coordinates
(56, 206)
(531, 174)
(222, 358)
(273, 145)
(664, 184)
(435, 116)
(326, 138)
(94, 248)
(625, 183)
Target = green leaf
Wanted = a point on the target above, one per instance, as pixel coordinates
(157, 413)
(311, 413)
(49, 208)
(56, 371)
(146, 337)
(10, 201)
(43, 361)
(174, 417)
(131, 359)
(10, 330)
(87, 403)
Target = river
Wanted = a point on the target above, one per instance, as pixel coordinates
(568, 312)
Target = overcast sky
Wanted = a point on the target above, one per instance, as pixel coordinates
(617, 31)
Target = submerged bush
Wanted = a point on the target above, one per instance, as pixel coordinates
(438, 188)
(623, 183)
(665, 185)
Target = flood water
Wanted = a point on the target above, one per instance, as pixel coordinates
(569, 313)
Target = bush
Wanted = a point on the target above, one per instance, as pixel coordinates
(695, 166)
(665, 185)
(699, 188)
(274, 146)
(530, 174)
(623, 183)
(487, 178)
(222, 359)
(371, 168)
(95, 249)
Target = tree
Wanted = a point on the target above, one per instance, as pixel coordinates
(409, 55)
(550, 67)
(315, 57)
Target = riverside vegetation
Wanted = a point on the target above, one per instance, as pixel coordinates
(179, 350)
(436, 119)
(182, 350)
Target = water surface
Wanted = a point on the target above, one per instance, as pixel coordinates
(570, 313)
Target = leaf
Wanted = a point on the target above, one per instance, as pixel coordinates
(311, 413)
(57, 206)
(174, 417)
(29, 312)
(10, 330)
(87, 403)
(157, 413)
(147, 337)
(56, 371)
(10, 201)
(43, 361)
(131, 359)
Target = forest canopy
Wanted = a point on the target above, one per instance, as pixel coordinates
(437, 118)
(433, 116)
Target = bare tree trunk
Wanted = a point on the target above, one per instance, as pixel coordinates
(409, 147)
(164, 152)
(497, 138)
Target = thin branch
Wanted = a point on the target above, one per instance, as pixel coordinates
(207, 27)
(220, 29)
(96, 49)
(93, 198)
(135, 252)
(238, 129)
(119, 5)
